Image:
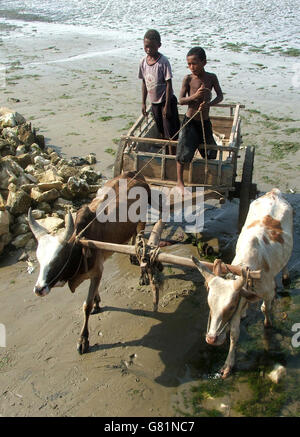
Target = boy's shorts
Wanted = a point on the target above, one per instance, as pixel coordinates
(168, 127)
(190, 139)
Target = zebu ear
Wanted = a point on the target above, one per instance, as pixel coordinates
(249, 295)
(37, 230)
(205, 272)
(69, 229)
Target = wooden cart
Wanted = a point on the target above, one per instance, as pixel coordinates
(142, 150)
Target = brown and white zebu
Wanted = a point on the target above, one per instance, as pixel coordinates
(265, 244)
(62, 259)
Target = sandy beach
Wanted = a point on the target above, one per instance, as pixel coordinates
(81, 92)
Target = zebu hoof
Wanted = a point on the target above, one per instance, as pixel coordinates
(155, 307)
(225, 372)
(96, 310)
(83, 345)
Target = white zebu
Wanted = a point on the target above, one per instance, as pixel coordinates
(265, 244)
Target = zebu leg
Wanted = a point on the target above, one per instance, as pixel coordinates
(96, 307)
(230, 360)
(286, 280)
(83, 342)
(266, 309)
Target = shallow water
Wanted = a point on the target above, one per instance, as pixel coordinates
(192, 22)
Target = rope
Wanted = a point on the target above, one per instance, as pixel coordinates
(147, 257)
(205, 148)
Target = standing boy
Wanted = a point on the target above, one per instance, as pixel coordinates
(196, 93)
(155, 71)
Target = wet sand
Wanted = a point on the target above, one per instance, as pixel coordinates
(82, 93)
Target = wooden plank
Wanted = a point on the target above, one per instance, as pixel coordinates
(234, 124)
(163, 257)
(174, 143)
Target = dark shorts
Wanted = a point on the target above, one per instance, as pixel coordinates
(191, 138)
(168, 127)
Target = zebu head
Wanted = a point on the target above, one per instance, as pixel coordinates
(52, 254)
(223, 301)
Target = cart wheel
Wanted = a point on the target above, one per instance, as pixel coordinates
(246, 186)
(118, 166)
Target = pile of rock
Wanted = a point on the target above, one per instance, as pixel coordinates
(33, 175)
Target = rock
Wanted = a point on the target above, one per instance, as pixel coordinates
(27, 187)
(46, 196)
(66, 171)
(40, 139)
(54, 158)
(4, 241)
(22, 219)
(91, 158)
(78, 187)
(50, 175)
(21, 150)
(38, 214)
(18, 202)
(23, 159)
(52, 224)
(39, 160)
(89, 175)
(26, 136)
(34, 147)
(20, 228)
(30, 169)
(77, 161)
(21, 240)
(31, 244)
(44, 206)
(61, 203)
(10, 169)
(11, 119)
(2, 204)
(45, 186)
(94, 188)
(4, 222)
(277, 373)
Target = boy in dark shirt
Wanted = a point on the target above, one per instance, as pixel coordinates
(155, 71)
(196, 93)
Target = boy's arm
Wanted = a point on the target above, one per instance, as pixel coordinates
(167, 107)
(185, 98)
(219, 96)
(144, 97)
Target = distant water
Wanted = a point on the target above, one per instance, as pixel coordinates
(204, 22)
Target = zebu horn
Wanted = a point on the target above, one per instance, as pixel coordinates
(205, 272)
(37, 230)
(240, 281)
(69, 229)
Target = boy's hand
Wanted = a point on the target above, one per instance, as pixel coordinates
(204, 105)
(144, 110)
(166, 112)
(203, 94)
